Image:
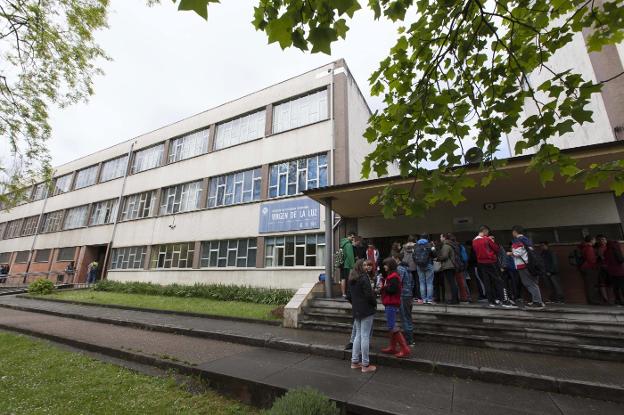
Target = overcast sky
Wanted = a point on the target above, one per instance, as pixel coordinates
(168, 65)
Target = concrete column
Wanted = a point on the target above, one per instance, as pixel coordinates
(329, 247)
(341, 127)
(73, 181)
(204, 193)
(211, 137)
(260, 252)
(148, 256)
(197, 255)
(264, 186)
(165, 159)
(99, 173)
(156, 210)
(268, 123)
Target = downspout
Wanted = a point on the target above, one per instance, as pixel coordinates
(329, 213)
(39, 223)
(119, 200)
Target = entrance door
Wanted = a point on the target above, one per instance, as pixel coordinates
(93, 253)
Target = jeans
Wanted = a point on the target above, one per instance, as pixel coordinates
(530, 282)
(406, 318)
(353, 332)
(415, 278)
(391, 314)
(425, 277)
(361, 343)
(91, 277)
(490, 276)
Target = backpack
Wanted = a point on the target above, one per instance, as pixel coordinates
(576, 258)
(339, 258)
(535, 263)
(422, 255)
(457, 258)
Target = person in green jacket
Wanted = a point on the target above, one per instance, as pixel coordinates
(346, 244)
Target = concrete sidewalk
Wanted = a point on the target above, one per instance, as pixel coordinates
(580, 377)
(258, 374)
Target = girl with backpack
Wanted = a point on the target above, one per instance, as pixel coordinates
(391, 299)
(364, 305)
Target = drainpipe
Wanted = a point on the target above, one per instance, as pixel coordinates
(39, 224)
(329, 239)
(119, 200)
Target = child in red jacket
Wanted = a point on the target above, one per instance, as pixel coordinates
(391, 299)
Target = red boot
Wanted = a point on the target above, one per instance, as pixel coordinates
(391, 349)
(405, 350)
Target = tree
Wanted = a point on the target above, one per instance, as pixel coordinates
(50, 58)
(460, 73)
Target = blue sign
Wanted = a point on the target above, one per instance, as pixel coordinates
(290, 215)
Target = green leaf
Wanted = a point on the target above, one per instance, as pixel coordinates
(198, 6)
(618, 187)
(280, 30)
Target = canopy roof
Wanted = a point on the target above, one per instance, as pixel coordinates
(352, 200)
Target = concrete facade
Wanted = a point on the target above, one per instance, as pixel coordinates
(306, 131)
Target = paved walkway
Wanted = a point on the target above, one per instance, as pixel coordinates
(390, 390)
(457, 360)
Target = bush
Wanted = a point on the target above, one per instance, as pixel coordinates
(306, 401)
(41, 286)
(213, 291)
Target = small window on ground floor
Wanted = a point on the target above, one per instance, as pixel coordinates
(178, 255)
(307, 250)
(5, 257)
(42, 255)
(21, 257)
(130, 257)
(66, 254)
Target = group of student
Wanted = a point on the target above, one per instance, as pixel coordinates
(421, 271)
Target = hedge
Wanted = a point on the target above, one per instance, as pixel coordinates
(212, 291)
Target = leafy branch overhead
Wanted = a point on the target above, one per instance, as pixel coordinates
(464, 73)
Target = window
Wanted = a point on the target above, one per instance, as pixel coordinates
(66, 254)
(86, 177)
(173, 255)
(231, 189)
(42, 255)
(188, 146)
(295, 250)
(76, 217)
(40, 191)
(147, 158)
(239, 130)
(21, 257)
(229, 253)
(131, 257)
(103, 212)
(30, 225)
(138, 205)
(300, 111)
(52, 221)
(62, 184)
(295, 176)
(113, 169)
(181, 198)
(5, 257)
(2, 229)
(13, 229)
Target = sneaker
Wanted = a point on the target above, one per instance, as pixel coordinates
(344, 296)
(492, 305)
(508, 304)
(512, 302)
(356, 365)
(537, 306)
(432, 302)
(349, 346)
(419, 301)
(369, 368)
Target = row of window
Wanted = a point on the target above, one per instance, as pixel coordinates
(291, 114)
(282, 251)
(41, 255)
(286, 178)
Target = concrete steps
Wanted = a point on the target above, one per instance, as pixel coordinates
(589, 332)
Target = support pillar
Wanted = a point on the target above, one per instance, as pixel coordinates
(329, 247)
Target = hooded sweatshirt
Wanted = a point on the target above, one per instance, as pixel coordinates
(485, 249)
(347, 247)
(408, 256)
(519, 247)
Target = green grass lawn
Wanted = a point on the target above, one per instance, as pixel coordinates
(191, 305)
(39, 378)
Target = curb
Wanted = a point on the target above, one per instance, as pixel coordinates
(154, 310)
(489, 375)
(251, 392)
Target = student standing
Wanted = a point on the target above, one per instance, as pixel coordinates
(407, 299)
(423, 256)
(391, 299)
(589, 269)
(364, 305)
(346, 245)
(551, 265)
(615, 267)
(407, 256)
(486, 251)
(446, 256)
(92, 270)
(520, 245)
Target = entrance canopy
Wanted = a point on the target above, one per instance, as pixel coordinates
(352, 200)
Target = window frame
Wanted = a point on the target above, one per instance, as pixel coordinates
(180, 196)
(277, 116)
(38, 260)
(169, 253)
(272, 256)
(223, 128)
(2, 256)
(42, 194)
(68, 214)
(58, 219)
(128, 252)
(56, 190)
(180, 149)
(59, 256)
(139, 205)
(161, 145)
(92, 176)
(283, 170)
(32, 229)
(15, 227)
(20, 261)
(210, 250)
(109, 211)
(116, 160)
(219, 184)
